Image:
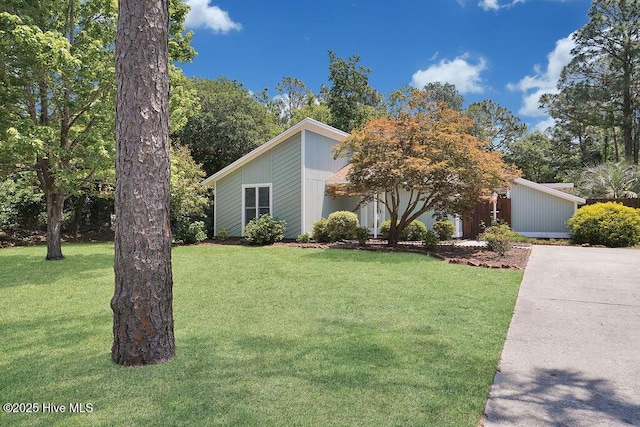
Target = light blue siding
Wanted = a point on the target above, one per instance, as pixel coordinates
(319, 167)
(534, 211)
(228, 209)
(280, 167)
(287, 185)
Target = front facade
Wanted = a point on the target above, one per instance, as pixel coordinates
(286, 177)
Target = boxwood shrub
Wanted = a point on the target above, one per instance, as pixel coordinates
(444, 229)
(609, 224)
(342, 225)
(264, 230)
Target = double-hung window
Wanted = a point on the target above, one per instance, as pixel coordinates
(256, 201)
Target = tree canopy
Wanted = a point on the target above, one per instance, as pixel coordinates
(229, 124)
(57, 94)
(425, 159)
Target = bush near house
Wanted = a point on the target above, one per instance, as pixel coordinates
(609, 224)
(342, 225)
(444, 229)
(320, 233)
(190, 232)
(499, 238)
(264, 230)
(430, 240)
(413, 232)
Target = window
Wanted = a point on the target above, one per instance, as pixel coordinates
(257, 201)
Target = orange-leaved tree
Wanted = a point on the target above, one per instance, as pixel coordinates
(422, 158)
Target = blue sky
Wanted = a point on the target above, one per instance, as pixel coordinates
(510, 51)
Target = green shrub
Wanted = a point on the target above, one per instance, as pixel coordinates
(609, 224)
(223, 234)
(413, 232)
(444, 229)
(499, 238)
(320, 233)
(303, 238)
(190, 233)
(342, 225)
(430, 240)
(264, 230)
(362, 234)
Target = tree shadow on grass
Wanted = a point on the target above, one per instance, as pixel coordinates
(19, 269)
(559, 398)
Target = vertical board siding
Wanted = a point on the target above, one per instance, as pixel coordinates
(286, 172)
(535, 211)
(229, 204)
(280, 167)
(319, 166)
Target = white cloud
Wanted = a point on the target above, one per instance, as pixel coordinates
(459, 72)
(543, 81)
(489, 4)
(495, 4)
(203, 15)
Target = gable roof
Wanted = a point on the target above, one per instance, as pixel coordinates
(545, 188)
(306, 124)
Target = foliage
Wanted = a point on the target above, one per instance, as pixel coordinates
(315, 108)
(425, 158)
(610, 180)
(411, 233)
(188, 197)
(536, 156)
(264, 230)
(495, 125)
(499, 238)
(229, 124)
(444, 229)
(362, 235)
(57, 95)
(320, 233)
(430, 240)
(598, 88)
(609, 224)
(350, 98)
(223, 234)
(293, 95)
(21, 201)
(342, 225)
(190, 233)
(303, 238)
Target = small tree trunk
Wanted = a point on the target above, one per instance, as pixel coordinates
(142, 301)
(55, 205)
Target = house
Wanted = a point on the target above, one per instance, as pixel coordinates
(287, 176)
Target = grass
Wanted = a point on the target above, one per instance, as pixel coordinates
(265, 336)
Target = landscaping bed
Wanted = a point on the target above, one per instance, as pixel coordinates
(476, 256)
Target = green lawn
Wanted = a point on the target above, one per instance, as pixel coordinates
(265, 336)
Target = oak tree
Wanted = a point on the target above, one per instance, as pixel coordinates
(424, 159)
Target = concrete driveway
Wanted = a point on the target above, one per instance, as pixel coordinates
(572, 354)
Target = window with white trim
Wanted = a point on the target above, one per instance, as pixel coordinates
(256, 201)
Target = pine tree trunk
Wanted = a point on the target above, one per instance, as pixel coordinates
(55, 205)
(142, 302)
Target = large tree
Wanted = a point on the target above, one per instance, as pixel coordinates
(230, 123)
(424, 159)
(142, 301)
(606, 67)
(350, 98)
(57, 95)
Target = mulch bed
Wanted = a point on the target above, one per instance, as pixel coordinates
(516, 258)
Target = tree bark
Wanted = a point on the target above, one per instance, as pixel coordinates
(55, 205)
(142, 301)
